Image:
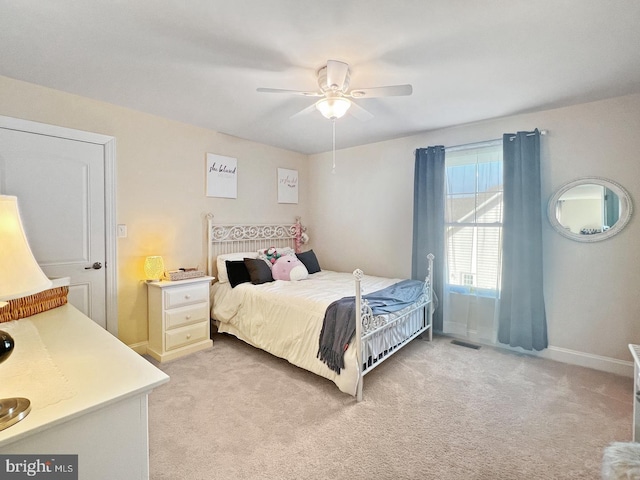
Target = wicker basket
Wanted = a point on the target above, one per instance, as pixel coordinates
(36, 303)
(182, 275)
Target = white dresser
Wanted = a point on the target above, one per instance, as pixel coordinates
(635, 352)
(179, 317)
(88, 392)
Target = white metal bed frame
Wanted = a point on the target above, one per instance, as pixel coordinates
(377, 336)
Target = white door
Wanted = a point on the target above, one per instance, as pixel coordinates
(60, 185)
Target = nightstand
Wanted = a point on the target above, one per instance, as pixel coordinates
(635, 352)
(178, 317)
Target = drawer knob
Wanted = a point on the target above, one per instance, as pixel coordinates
(188, 336)
(187, 297)
(187, 317)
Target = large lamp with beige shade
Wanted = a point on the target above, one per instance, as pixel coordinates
(20, 275)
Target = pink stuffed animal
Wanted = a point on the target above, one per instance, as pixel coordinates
(289, 267)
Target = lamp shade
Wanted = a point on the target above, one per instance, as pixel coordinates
(20, 274)
(333, 107)
(154, 267)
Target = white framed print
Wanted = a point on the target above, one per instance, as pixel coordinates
(287, 186)
(222, 176)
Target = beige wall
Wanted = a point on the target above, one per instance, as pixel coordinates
(361, 216)
(590, 289)
(160, 184)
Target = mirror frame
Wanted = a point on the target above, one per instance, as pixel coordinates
(626, 209)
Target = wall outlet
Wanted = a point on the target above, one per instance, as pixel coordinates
(122, 231)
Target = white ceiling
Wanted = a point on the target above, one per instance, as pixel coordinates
(200, 61)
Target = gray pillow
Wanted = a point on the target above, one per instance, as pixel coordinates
(309, 260)
(259, 271)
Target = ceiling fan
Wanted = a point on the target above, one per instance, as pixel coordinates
(337, 99)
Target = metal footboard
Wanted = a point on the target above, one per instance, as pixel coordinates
(380, 336)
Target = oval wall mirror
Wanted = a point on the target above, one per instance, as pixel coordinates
(590, 209)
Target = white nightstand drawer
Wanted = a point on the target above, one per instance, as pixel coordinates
(187, 295)
(177, 317)
(186, 335)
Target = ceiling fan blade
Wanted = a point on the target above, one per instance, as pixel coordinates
(306, 111)
(359, 112)
(389, 91)
(293, 92)
(336, 74)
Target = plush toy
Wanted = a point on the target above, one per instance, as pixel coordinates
(289, 267)
(271, 254)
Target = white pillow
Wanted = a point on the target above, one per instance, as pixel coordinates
(222, 267)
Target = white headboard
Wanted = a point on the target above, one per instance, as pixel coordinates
(229, 238)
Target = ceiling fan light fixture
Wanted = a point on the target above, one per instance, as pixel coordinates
(333, 107)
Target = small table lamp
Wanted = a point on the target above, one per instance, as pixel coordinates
(20, 275)
(154, 268)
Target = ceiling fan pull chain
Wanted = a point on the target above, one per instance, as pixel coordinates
(333, 122)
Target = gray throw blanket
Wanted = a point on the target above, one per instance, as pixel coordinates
(339, 324)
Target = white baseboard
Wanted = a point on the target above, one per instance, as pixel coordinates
(559, 354)
(140, 347)
(589, 360)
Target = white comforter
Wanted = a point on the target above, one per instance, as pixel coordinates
(285, 318)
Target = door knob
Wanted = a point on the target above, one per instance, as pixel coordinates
(95, 266)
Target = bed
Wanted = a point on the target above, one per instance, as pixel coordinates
(289, 318)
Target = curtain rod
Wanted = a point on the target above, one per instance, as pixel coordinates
(542, 132)
(486, 143)
(470, 146)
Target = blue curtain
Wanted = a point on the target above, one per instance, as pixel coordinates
(428, 221)
(522, 320)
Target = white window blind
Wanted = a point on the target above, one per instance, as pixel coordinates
(473, 218)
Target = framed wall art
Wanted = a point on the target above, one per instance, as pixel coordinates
(287, 186)
(222, 176)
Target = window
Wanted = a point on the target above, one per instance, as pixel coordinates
(473, 218)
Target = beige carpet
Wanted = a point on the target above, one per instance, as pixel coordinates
(433, 411)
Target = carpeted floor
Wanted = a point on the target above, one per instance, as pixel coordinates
(433, 411)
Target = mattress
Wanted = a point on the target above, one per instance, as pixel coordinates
(285, 318)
